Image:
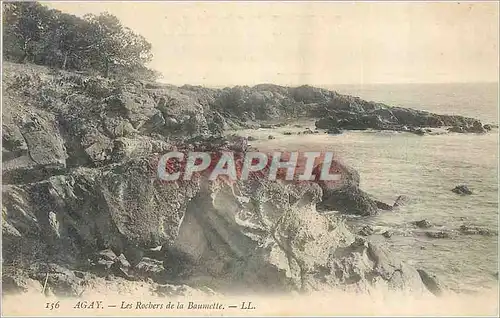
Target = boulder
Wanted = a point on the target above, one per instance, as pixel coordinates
(61, 281)
(462, 190)
(469, 126)
(475, 230)
(349, 200)
(387, 234)
(423, 224)
(477, 127)
(33, 148)
(345, 195)
(150, 268)
(431, 282)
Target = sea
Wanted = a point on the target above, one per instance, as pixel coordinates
(425, 169)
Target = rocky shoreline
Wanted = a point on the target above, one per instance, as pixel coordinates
(81, 203)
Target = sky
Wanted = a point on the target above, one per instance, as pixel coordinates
(315, 43)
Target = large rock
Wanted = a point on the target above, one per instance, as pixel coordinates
(462, 190)
(349, 200)
(423, 224)
(32, 147)
(431, 282)
(383, 117)
(278, 241)
(476, 230)
(123, 207)
(473, 126)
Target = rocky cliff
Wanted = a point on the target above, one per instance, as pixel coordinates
(81, 199)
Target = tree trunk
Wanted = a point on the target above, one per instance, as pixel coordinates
(24, 57)
(65, 61)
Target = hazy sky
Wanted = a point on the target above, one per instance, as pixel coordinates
(320, 43)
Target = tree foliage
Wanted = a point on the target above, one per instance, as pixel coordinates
(36, 34)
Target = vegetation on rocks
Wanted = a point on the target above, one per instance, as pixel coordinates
(36, 34)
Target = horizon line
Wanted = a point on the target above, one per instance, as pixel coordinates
(327, 85)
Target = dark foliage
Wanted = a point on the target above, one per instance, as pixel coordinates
(34, 33)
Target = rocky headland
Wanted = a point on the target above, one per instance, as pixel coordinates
(81, 202)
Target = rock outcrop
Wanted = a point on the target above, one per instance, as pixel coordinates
(80, 156)
(383, 117)
(431, 282)
(423, 224)
(462, 190)
(476, 230)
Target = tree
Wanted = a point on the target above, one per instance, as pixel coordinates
(24, 25)
(34, 33)
(69, 41)
(116, 46)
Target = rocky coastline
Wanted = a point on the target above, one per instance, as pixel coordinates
(81, 202)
